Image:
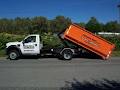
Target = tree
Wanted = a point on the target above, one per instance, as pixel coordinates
(21, 25)
(5, 24)
(82, 24)
(60, 23)
(93, 25)
(40, 24)
(112, 26)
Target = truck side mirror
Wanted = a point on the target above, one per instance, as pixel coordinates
(23, 42)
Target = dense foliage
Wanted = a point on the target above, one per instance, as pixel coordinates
(42, 24)
(50, 40)
(33, 25)
(4, 38)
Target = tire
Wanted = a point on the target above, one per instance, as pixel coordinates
(13, 55)
(67, 54)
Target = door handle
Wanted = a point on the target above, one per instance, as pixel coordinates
(35, 44)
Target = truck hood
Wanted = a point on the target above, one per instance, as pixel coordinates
(12, 43)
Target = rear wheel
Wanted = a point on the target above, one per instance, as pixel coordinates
(13, 55)
(67, 54)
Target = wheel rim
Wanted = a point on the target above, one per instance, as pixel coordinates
(13, 55)
(67, 56)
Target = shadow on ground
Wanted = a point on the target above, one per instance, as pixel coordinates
(103, 84)
(83, 55)
(88, 56)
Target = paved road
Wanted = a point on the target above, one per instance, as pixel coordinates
(51, 72)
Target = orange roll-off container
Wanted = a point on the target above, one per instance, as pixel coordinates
(89, 41)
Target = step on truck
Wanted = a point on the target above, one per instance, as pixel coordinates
(79, 36)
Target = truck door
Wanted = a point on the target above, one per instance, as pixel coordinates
(30, 45)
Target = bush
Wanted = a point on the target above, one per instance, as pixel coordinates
(50, 40)
(5, 38)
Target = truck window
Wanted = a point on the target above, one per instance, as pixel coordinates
(30, 39)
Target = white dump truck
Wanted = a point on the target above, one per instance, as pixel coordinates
(82, 38)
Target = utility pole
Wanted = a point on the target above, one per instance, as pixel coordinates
(119, 13)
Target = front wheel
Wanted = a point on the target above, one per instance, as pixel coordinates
(67, 54)
(13, 55)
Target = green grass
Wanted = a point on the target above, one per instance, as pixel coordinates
(2, 53)
(116, 53)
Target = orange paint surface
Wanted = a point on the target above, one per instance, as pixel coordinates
(88, 40)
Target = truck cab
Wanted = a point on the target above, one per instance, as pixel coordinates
(31, 45)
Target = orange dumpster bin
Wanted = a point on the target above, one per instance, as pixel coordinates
(88, 40)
